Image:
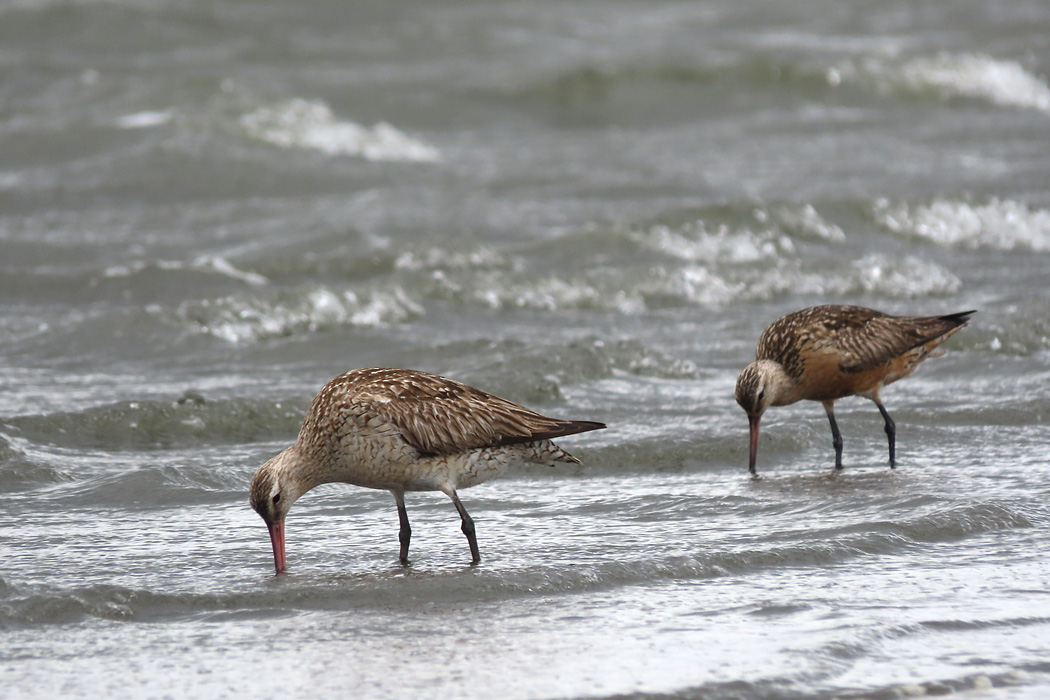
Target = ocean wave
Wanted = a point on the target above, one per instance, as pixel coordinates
(942, 524)
(902, 278)
(693, 242)
(762, 233)
(18, 471)
(50, 607)
(240, 319)
(629, 290)
(946, 75)
(21, 474)
(311, 125)
(164, 484)
(586, 80)
(997, 224)
(205, 263)
(977, 683)
(324, 590)
(7, 451)
(531, 373)
(188, 420)
(638, 289)
(801, 220)
(803, 688)
(599, 290)
(753, 257)
(431, 259)
(715, 258)
(144, 120)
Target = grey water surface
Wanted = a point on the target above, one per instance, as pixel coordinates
(209, 209)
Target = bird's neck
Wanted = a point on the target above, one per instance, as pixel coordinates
(781, 386)
(297, 472)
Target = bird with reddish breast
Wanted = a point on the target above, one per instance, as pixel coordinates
(825, 353)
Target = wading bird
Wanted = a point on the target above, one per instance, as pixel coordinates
(826, 353)
(404, 430)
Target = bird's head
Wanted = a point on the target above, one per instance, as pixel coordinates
(756, 387)
(273, 491)
(759, 386)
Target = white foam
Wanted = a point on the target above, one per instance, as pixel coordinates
(1000, 82)
(497, 290)
(998, 224)
(977, 76)
(207, 263)
(642, 288)
(137, 266)
(383, 308)
(250, 319)
(144, 120)
(310, 124)
(695, 243)
(697, 284)
(441, 259)
(222, 266)
(628, 293)
(551, 294)
(903, 278)
(804, 220)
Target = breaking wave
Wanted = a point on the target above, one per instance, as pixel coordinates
(189, 419)
(311, 125)
(238, 319)
(800, 549)
(709, 258)
(214, 264)
(975, 76)
(997, 224)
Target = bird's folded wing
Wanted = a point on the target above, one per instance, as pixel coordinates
(437, 415)
(884, 338)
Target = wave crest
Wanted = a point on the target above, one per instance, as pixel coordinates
(239, 319)
(998, 224)
(162, 424)
(947, 76)
(311, 125)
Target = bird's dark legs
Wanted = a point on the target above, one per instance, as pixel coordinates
(836, 436)
(891, 433)
(468, 527)
(404, 535)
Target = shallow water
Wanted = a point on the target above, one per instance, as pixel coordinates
(209, 210)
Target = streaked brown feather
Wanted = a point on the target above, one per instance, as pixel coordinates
(860, 338)
(438, 415)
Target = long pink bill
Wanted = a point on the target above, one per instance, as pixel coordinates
(754, 421)
(277, 540)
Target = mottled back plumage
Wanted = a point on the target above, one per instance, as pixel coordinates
(435, 415)
(862, 338)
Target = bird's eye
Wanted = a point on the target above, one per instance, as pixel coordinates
(761, 394)
(276, 498)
